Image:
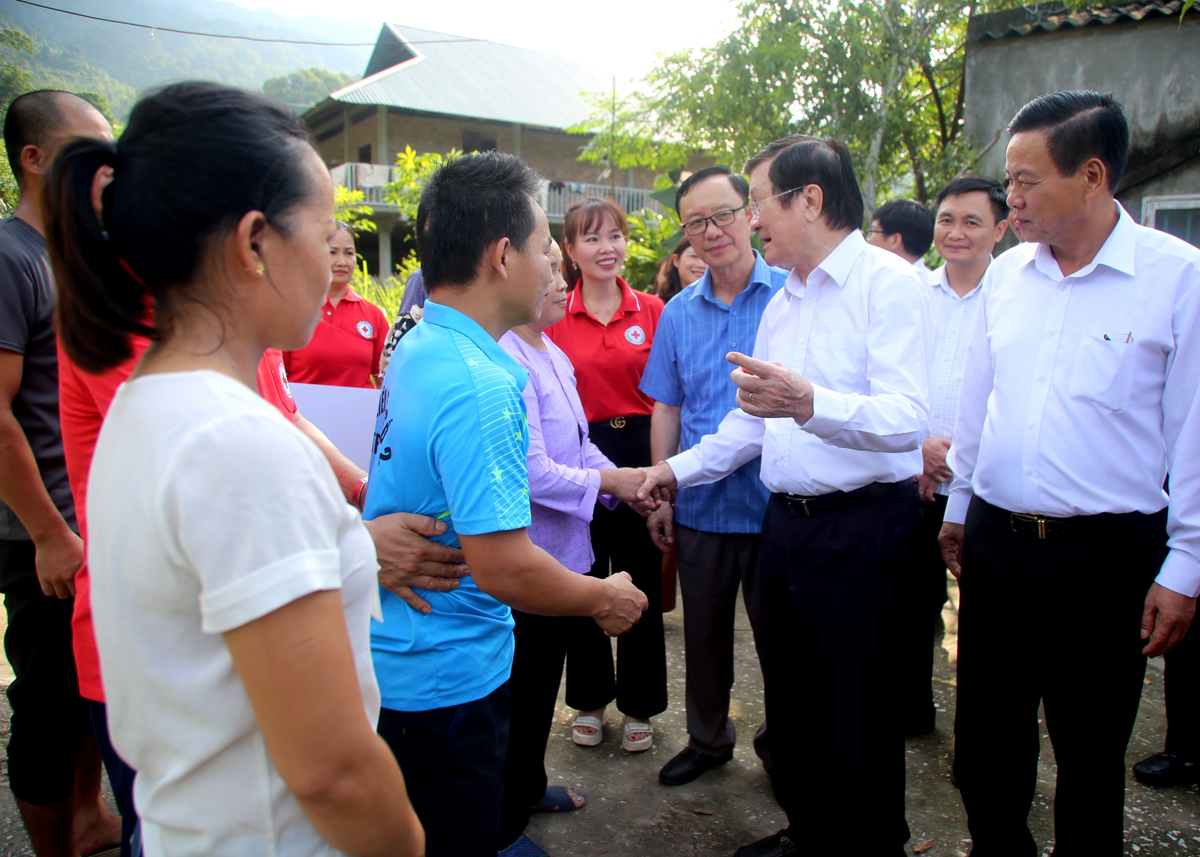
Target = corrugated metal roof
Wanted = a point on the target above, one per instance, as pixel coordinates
(456, 76)
(1051, 17)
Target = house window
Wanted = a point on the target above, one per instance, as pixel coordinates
(1177, 215)
(364, 154)
(473, 141)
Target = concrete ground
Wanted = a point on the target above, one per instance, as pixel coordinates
(629, 814)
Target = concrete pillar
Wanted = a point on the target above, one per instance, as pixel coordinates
(517, 139)
(384, 232)
(382, 152)
(345, 135)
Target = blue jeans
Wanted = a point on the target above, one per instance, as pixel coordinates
(120, 777)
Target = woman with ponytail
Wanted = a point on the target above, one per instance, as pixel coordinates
(229, 579)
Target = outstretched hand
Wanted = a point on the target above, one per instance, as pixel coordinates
(770, 389)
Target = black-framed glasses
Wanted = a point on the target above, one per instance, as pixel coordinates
(720, 219)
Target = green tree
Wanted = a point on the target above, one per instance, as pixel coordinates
(15, 80)
(306, 86)
(885, 76)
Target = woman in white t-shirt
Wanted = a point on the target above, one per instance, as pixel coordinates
(231, 583)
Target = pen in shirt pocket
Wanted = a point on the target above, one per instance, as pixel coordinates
(1128, 337)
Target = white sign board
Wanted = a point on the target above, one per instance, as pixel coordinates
(345, 414)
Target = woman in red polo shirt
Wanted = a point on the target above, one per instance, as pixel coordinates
(607, 333)
(345, 349)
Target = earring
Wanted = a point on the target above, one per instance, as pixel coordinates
(259, 269)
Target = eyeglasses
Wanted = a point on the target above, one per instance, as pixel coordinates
(756, 204)
(719, 219)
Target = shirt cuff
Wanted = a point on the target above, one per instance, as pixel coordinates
(1180, 573)
(956, 507)
(686, 466)
(829, 414)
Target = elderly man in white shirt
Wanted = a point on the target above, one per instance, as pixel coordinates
(971, 218)
(1078, 399)
(834, 399)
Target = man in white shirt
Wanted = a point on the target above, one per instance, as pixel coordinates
(1078, 398)
(971, 218)
(834, 399)
(904, 227)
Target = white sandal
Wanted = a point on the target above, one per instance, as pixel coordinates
(587, 739)
(637, 745)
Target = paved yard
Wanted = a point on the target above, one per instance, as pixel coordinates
(630, 814)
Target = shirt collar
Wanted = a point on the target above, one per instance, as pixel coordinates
(941, 282)
(836, 266)
(760, 275)
(921, 266)
(1117, 252)
(451, 319)
(349, 296)
(630, 302)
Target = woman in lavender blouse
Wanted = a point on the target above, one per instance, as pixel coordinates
(567, 473)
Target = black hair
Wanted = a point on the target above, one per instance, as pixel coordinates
(976, 184)
(193, 160)
(1079, 125)
(468, 204)
(911, 219)
(799, 161)
(674, 283)
(739, 183)
(33, 119)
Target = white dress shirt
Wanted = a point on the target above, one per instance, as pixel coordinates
(1079, 392)
(924, 273)
(955, 320)
(861, 331)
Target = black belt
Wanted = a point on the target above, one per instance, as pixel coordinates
(1078, 527)
(823, 504)
(640, 421)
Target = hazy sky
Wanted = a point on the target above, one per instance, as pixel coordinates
(619, 36)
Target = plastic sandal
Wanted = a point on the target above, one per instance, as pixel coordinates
(559, 799)
(583, 739)
(523, 847)
(641, 744)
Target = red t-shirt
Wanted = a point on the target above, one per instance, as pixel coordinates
(83, 401)
(345, 348)
(609, 359)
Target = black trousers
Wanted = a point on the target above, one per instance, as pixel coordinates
(922, 596)
(49, 717)
(620, 537)
(1055, 621)
(453, 765)
(541, 649)
(828, 606)
(1183, 697)
(711, 568)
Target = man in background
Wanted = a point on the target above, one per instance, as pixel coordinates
(971, 218)
(905, 228)
(718, 525)
(53, 760)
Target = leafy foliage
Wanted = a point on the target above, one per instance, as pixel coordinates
(385, 292)
(413, 169)
(349, 208)
(651, 237)
(625, 134)
(885, 76)
(306, 86)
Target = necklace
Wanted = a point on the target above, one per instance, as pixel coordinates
(605, 316)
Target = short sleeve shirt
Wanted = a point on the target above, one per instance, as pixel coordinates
(687, 369)
(609, 358)
(450, 442)
(345, 348)
(209, 510)
(27, 328)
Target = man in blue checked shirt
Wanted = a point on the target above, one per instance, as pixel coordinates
(718, 525)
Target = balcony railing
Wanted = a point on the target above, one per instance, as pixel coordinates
(555, 197)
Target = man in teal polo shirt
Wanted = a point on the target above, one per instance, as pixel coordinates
(451, 442)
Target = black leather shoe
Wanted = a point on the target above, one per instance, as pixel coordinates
(773, 846)
(1166, 769)
(688, 765)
